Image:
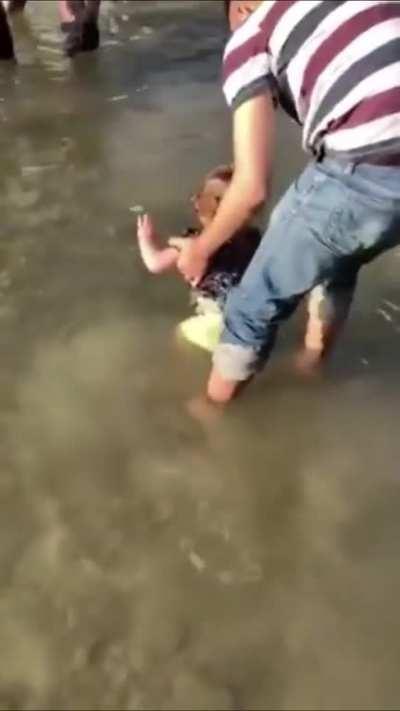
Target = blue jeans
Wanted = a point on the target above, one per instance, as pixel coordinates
(334, 219)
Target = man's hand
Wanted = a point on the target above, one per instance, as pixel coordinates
(192, 260)
(254, 141)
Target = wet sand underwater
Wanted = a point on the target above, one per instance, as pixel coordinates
(147, 562)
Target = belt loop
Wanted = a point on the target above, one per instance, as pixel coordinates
(319, 153)
(350, 168)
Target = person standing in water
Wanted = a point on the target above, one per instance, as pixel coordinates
(334, 67)
(6, 40)
(79, 23)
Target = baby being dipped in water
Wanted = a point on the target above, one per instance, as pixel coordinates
(225, 269)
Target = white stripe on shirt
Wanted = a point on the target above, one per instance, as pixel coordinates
(363, 45)
(377, 131)
(329, 24)
(255, 68)
(287, 23)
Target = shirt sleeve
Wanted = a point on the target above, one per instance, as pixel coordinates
(247, 69)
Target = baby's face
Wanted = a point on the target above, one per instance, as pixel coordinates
(206, 201)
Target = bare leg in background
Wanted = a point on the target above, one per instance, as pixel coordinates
(14, 5)
(79, 22)
(6, 40)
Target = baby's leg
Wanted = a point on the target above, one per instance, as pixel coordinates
(156, 258)
(328, 307)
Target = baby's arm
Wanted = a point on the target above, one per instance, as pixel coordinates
(156, 259)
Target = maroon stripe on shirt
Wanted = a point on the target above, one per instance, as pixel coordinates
(275, 14)
(342, 37)
(385, 103)
(259, 42)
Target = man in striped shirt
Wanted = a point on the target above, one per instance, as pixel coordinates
(335, 68)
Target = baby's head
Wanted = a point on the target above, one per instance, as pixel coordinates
(207, 199)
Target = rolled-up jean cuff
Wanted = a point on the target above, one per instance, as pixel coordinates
(234, 362)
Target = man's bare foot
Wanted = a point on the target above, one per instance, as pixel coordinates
(202, 410)
(309, 362)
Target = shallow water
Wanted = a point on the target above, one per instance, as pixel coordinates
(146, 561)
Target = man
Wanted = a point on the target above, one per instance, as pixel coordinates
(335, 68)
(79, 22)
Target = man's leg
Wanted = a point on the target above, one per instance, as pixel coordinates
(282, 273)
(334, 219)
(310, 241)
(83, 10)
(328, 307)
(71, 10)
(6, 41)
(15, 5)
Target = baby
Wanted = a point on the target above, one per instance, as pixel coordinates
(224, 270)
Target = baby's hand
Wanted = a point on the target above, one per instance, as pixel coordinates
(145, 229)
(157, 259)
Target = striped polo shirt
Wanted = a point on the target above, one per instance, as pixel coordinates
(333, 66)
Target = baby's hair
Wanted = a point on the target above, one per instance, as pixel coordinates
(221, 172)
(226, 5)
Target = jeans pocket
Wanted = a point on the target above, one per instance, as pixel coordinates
(355, 230)
(337, 234)
(305, 186)
(351, 231)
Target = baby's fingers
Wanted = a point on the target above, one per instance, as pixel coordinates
(148, 222)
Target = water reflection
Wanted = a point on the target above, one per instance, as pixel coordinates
(148, 562)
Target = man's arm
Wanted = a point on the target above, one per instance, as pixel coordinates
(254, 140)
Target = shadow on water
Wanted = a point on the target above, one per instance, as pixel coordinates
(148, 562)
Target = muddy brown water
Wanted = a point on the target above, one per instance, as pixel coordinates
(146, 561)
